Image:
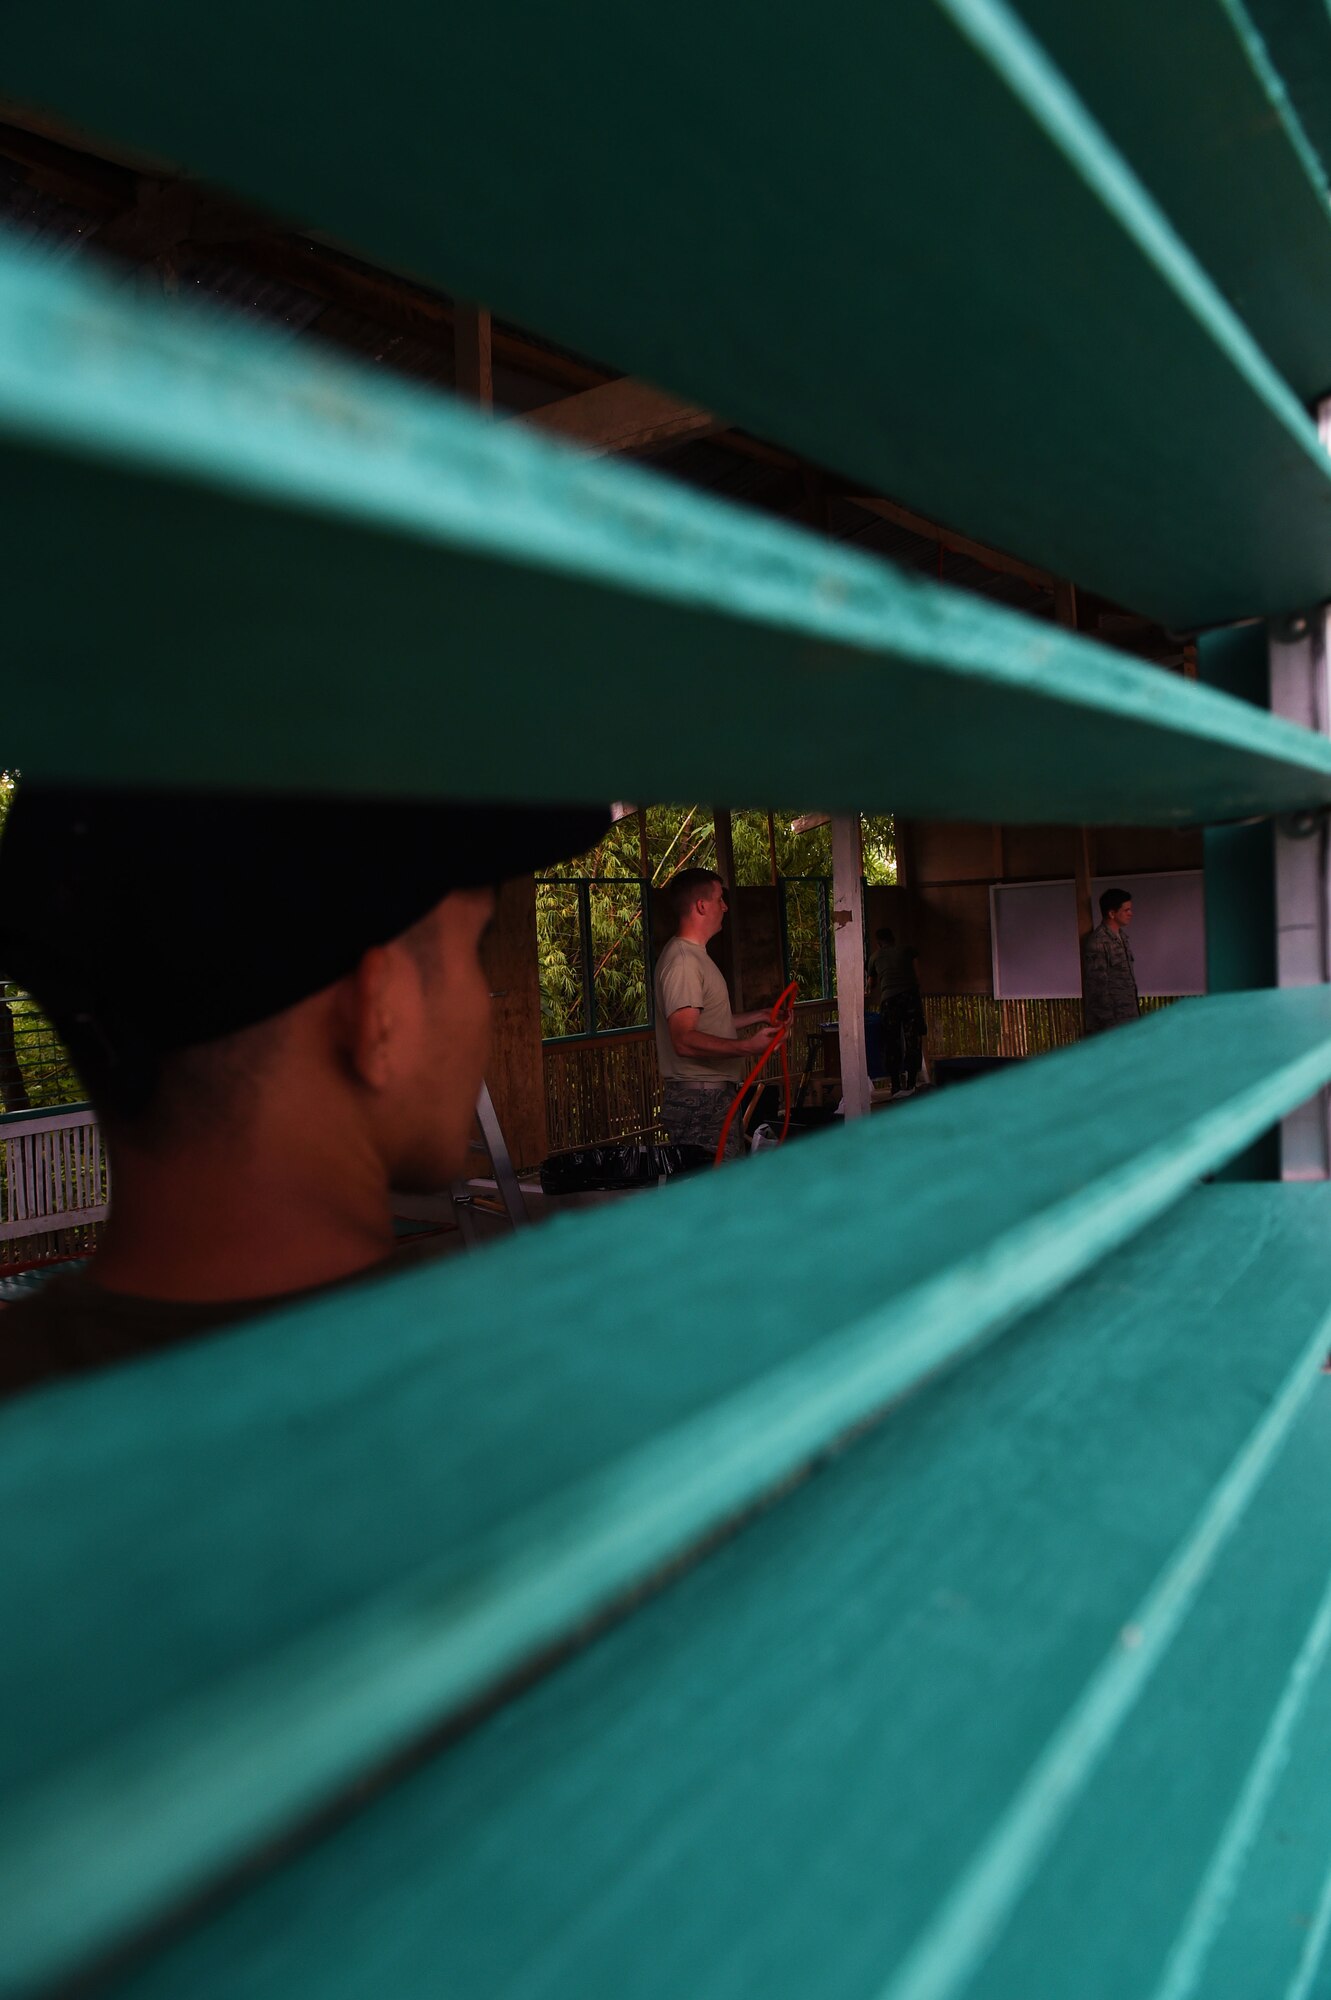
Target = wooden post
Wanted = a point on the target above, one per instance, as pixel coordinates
(644, 857)
(621, 416)
(961, 545)
(848, 924)
(473, 370)
(1081, 868)
(1065, 613)
(815, 510)
(731, 956)
(515, 1071)
(771, 848)
(903, 835)
(13, 1089)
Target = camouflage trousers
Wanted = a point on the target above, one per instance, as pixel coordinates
(901, 1017)
(693, 1116)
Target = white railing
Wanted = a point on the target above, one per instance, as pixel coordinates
(53, 1171)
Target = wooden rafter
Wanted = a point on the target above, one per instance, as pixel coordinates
(119, 197)
(962, 545)
(1065, 603)
(143, 211)
(473, 354)
(623, 415)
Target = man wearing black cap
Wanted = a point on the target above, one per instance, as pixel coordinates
(279, 1011)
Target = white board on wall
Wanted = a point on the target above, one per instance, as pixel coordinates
(1034, 931)
(1035, 942)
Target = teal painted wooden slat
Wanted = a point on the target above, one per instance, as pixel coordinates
(1195, 1768)
(1297, 37)
(322, 580)
(1285, 1889)
(1022, 348)
(849, 1752)
(245, 1573)
(1187, 95)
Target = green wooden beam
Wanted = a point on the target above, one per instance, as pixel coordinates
(996, 1705)
(201, 1657)
(237, 562)
(1237, 1673)
(1297, 38)
(934, 273)
(1285, 1896)
(1187, 95)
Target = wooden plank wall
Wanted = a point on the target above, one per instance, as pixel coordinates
(756, 920)
(948, 867)
(516, 1072)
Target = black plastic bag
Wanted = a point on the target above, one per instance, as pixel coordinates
(628, 1163)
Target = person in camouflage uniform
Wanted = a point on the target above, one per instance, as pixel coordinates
(894, 989)
(693, 1114)
(1108, 979)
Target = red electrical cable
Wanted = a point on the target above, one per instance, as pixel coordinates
(779, 1045)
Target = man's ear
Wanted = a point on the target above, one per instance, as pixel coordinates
(367, 1017)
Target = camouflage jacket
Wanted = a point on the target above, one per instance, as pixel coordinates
(1108, 982)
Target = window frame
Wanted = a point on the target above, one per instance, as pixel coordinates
(584, 884)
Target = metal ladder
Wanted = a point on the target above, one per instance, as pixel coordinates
(459, 1198)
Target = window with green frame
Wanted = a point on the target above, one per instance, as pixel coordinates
(806, 935)
(594, 949)
(808, 947)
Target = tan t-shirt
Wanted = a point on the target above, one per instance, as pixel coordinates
(687, 977)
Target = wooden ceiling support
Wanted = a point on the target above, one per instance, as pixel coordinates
(473, 354)
(162, 218)
(117, 195)
(1065, 603)
(142, 211)
(728, 941)
(961, 545)
(623, 415)
(1065, 613)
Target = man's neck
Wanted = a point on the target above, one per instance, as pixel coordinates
(239, 1219)
(694, 931)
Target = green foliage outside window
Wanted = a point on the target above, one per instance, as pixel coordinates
(810, 958)
(619, 956)
(559, 955)
(590, 943)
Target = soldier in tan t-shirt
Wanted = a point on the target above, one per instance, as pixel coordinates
(703, 1059)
